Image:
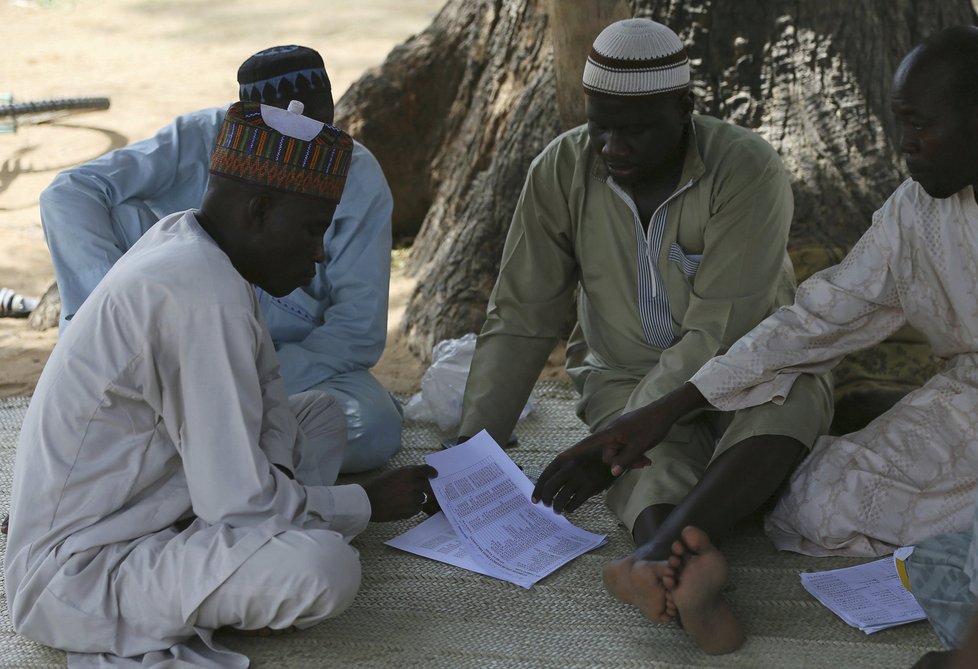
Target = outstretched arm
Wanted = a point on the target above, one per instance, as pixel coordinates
(839, 310)
(583, 470)
(528, 305)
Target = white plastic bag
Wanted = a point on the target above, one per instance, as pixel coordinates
(443, 384)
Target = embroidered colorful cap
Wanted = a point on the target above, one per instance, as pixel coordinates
(636, 57)
(283, 150)
(282, 73)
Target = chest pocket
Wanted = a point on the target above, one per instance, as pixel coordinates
(689, 264)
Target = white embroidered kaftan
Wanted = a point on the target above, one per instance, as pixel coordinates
(911, 473)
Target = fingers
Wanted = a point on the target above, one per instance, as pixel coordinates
(623, 457)
(566, 485)
(617, 469)
(566, 494)
(409, 489)
(552, 481)
(537, 494)
(575, 492)
(430, 506)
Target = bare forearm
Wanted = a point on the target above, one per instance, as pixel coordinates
(672, 407)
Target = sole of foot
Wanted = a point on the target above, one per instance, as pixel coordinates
(640, 583)
(697, 593)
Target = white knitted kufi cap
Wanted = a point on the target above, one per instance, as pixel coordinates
(636, 57)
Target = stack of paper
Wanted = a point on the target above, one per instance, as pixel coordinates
(870, 596)
(488, 524)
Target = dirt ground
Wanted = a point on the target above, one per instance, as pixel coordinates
(156, 60)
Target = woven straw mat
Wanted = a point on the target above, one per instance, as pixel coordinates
(414, 612)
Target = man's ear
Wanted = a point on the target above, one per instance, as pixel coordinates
(258, 210)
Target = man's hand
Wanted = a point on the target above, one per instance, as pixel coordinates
(566, 484)
(401, 493)
(622, 445)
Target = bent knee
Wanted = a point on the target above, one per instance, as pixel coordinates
(382, 427)
(326, 571)
(336, 566)
(316, 405)
(374, 436)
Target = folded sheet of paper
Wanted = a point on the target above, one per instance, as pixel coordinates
(488, 524)
(869, 596)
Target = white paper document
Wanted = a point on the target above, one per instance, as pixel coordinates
(485, 499)
(869, 596)
(435, 538)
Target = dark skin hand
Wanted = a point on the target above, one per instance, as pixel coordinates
(567, 483)
(401, 493)
(592, 464)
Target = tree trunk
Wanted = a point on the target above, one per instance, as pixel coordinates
(573, 27)
(456, 114)
(455, 144)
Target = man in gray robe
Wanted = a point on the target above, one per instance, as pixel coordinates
(158, 488)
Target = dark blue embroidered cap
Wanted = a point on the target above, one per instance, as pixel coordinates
(282, 73)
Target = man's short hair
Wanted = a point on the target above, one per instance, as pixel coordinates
(956, 50)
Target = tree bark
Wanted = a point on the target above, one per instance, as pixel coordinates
(573, 27)
(461, 144)
(457, 114)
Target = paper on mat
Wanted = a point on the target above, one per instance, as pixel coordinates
(486, 500)
(869, 596)
(435, 538)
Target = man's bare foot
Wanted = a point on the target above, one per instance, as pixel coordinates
(699, 572)
(640, 583)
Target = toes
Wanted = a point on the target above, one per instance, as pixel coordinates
(696, 540)
(678, 549)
